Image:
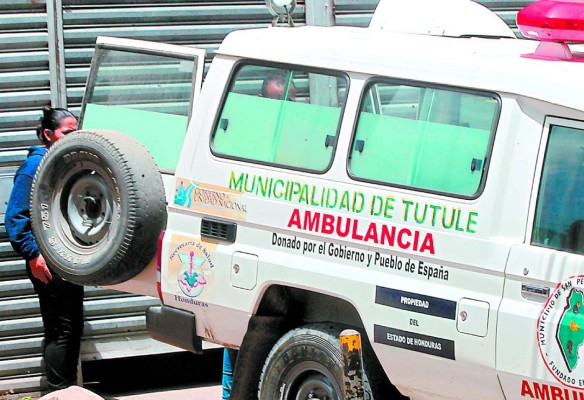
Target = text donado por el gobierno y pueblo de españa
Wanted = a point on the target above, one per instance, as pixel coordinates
(387, 207)
(366, 258)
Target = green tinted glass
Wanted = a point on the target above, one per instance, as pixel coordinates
(431, 139)
(144, 95)
(283, 117)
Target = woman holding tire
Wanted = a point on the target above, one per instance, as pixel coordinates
(61, 302)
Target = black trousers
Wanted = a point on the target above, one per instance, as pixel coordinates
(61, 304)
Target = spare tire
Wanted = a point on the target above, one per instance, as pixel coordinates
(97, 207)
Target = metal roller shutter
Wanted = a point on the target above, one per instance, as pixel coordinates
(24, 75)
(24, 88)
(354, 13)
(203, 24)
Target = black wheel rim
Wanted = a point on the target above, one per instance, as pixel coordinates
(86, 205)
(310, 380)
(89, 209)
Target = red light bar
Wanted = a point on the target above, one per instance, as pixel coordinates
(553, 20)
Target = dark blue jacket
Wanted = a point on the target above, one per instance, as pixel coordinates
(17, 218)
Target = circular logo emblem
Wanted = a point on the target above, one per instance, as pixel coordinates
(561, 332)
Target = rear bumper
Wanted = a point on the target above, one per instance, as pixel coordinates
(173, 326)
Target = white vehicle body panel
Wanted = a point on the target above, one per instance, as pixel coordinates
(473, 63)
(444, 305)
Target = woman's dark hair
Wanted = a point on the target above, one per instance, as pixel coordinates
(51, 120)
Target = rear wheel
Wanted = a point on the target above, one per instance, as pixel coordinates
(97, 207)
(306, 363)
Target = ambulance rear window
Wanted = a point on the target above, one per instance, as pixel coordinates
(432, 139)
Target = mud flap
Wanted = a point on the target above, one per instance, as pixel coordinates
(182, 334)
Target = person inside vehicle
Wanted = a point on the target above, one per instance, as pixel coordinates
(276, 85)
(61, 302)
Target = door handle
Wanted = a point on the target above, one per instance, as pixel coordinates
(534, 290)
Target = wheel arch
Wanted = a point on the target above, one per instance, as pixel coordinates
(282, 308)
(307, 307)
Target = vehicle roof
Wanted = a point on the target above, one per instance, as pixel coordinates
(476, 63)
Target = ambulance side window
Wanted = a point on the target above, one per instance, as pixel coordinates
(287, 117)
(559, 216)
(433, 139)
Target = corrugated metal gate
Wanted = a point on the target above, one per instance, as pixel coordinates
(203, 24)
(24, 88)
(45, 51)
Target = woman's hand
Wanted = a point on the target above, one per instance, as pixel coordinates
(39, 269)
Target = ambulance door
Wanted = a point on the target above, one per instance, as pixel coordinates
(146, 90)
(540, 336)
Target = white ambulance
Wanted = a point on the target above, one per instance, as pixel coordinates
(425, 188)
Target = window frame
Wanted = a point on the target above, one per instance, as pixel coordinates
(238, 65)
(550, 121)
(133, 46)
(427, 85)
